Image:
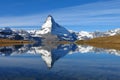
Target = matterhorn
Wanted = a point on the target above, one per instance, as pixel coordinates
(53, 28)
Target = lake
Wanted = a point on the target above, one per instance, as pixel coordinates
(58, 62)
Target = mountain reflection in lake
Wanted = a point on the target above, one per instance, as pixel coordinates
(60, 62)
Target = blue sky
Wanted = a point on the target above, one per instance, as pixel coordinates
(88, 15)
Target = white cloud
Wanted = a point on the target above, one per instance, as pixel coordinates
(98, 13)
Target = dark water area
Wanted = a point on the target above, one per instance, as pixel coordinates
(61, 62)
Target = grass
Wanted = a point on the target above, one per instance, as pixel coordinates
(111, 42)
(8, 42)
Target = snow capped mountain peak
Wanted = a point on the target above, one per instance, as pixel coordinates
(47, 26)
(49, 22)
(50, 26)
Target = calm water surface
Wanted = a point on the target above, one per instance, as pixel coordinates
(61, 62)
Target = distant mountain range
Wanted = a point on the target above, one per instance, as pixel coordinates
(83, 35)
(53, 28)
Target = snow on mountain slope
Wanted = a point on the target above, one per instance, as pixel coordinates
(23, 33)
(15, 34)
(10, 34)
(113, 32)
(83, 35)
(50, 26)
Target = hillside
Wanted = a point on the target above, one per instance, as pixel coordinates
(111, 42)
(8, 42)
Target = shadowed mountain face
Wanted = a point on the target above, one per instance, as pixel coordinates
(53, 28)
